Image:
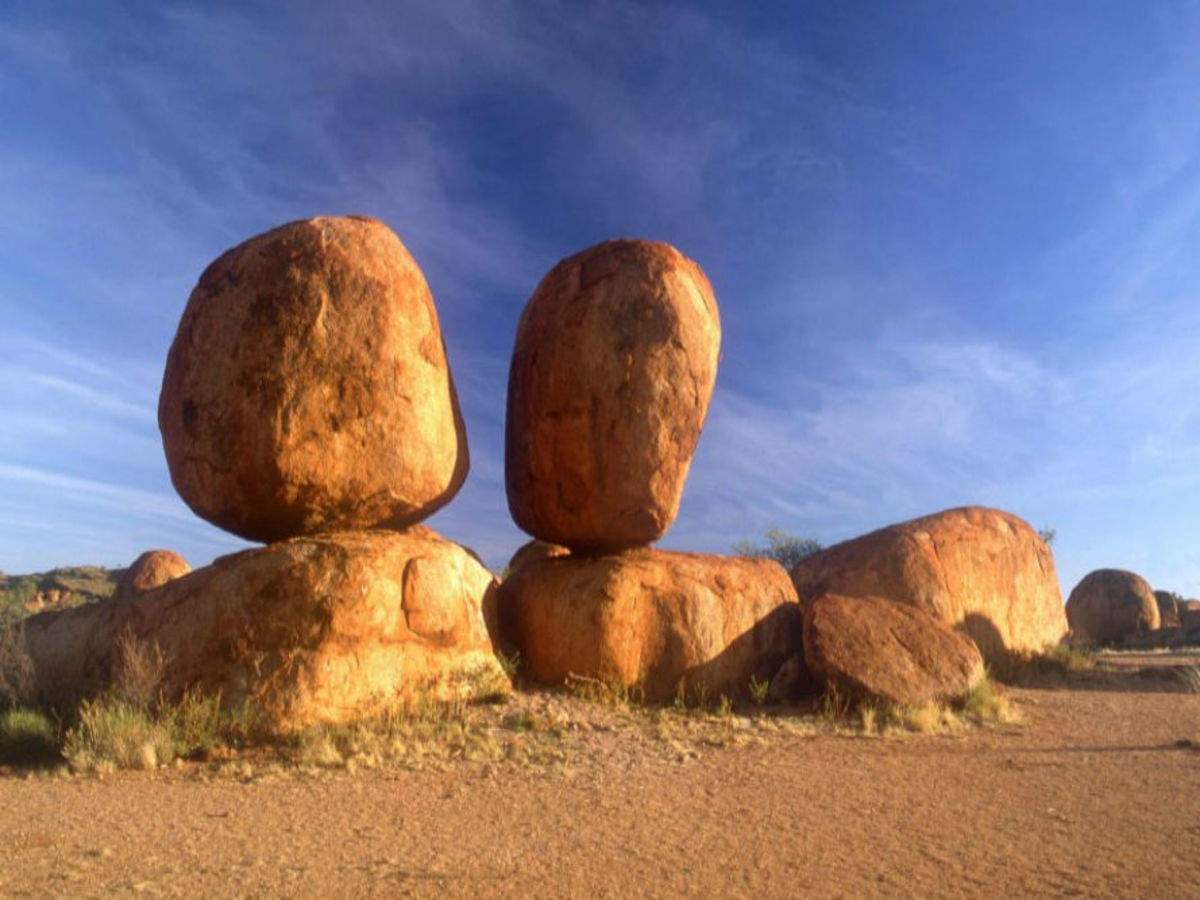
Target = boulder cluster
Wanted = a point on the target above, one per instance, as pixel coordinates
(307, 403)
(612, 372)
(1117, 607)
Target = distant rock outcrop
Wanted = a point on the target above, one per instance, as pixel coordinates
(982, 571)
(152, 569)
(873, 649)
(315, 629)
(1109, 605)
(611, 376)
(307, 388)
(1168, 609)
(665, 623)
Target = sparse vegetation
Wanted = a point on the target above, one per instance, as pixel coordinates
(1190, 677)
(783, 546)
(23, 595)
(16, 668)
(759, 688)
(1055, 663)
(27, 736)
(1048, 535)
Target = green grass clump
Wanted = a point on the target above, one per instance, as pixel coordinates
(27, 736)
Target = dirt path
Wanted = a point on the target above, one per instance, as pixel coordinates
(1095, 794)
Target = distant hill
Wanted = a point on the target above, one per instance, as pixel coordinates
(24, 595)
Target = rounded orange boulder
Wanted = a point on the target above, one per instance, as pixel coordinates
(1111, 604)
(152, 569)
(307, 388)
(612, 372)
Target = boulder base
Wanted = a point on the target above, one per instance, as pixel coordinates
(873, 649)
(611, 376)
(1109, 605)
(667, 623)
(982, 571)
(307, 388)
(316, 629)
(152, 569)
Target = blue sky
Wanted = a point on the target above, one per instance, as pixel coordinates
(953, 244)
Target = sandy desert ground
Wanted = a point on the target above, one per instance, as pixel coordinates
(1095, 793)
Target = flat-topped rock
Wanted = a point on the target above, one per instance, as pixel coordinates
(663, 623)
(316, 629)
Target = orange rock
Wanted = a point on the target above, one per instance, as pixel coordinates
(532, 551)
(982, 571)
(873, 649)
(663, 622)
(152, 569)
(307, 388)
(1111, 604)
(612, 373)
(315, 629)
(1168, 609)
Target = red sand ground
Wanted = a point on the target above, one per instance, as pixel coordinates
(1097, 793)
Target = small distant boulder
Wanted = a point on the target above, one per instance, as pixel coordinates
(1109, 605)
(611, 376)
(534, 550)
(307, 388)
(982, 571)
(152, 569)
(661, 622)
(873, 649)
(1189, 614)
(1168, 608)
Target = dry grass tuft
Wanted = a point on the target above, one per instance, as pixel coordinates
(1189, 676)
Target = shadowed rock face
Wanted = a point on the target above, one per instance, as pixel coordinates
(316, 629)
(1189, 614)
(152, 569)
(982, 571)
(307, 388)
(663, 621)
(611, 377)
(874, 649)
(1111, 604)
(1168, 609)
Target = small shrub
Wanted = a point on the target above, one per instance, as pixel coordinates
(114, 734)
(27, 735)
(986, 704)
(16, 668)
(137, 670)
(758, 690)
(1190, 677)
(782, 546)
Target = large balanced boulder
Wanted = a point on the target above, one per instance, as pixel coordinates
(1168, 609)
(873, 649)
(611, 377)
(982, 571)
(307, 388)
(316, 629)
(152, 569)
(666, 624)
(1109, 605)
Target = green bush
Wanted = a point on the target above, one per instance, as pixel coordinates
(783, 546)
